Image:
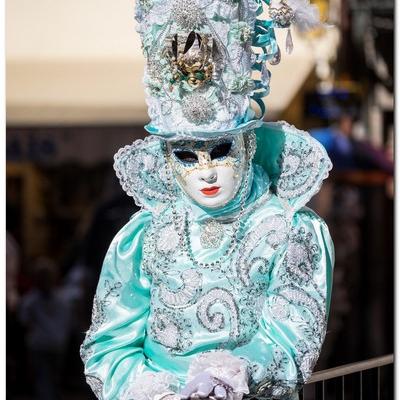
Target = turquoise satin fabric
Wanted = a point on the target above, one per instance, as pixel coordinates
(267, 303)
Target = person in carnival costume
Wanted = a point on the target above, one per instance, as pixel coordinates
(219, 287)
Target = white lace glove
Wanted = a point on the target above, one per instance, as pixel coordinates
(205, 386)
(152, 386)
(216, 375)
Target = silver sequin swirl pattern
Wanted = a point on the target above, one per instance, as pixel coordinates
(273, 230)
(214, 321)
(186, 294)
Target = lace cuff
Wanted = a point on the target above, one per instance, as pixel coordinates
(167, 396)
(152, 386)
(225, 367)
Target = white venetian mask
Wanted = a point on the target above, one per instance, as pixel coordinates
(209, 172)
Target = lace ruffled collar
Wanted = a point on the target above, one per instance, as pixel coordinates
(294, 164)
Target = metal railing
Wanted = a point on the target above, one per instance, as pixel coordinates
(366, 380)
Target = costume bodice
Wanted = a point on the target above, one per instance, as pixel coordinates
(197, 305)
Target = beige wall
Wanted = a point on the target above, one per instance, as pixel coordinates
(80, 62)
(73, 61)
(70, 29)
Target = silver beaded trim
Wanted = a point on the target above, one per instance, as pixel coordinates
(96, 384)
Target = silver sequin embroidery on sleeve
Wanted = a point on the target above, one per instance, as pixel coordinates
(99, 314)
(96, 384)
(301, 259)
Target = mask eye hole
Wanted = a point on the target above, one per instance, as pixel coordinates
(221, 150)
(186, 156)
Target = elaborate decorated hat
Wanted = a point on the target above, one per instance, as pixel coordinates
(201, 56)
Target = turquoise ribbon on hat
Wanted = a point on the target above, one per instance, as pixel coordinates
(260, 8)
(265, 39)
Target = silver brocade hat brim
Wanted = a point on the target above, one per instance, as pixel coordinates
(205, 135)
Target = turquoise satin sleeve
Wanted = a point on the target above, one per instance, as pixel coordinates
(292, 326)
(113, 349)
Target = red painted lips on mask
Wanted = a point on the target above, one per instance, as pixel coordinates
(210, 191)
